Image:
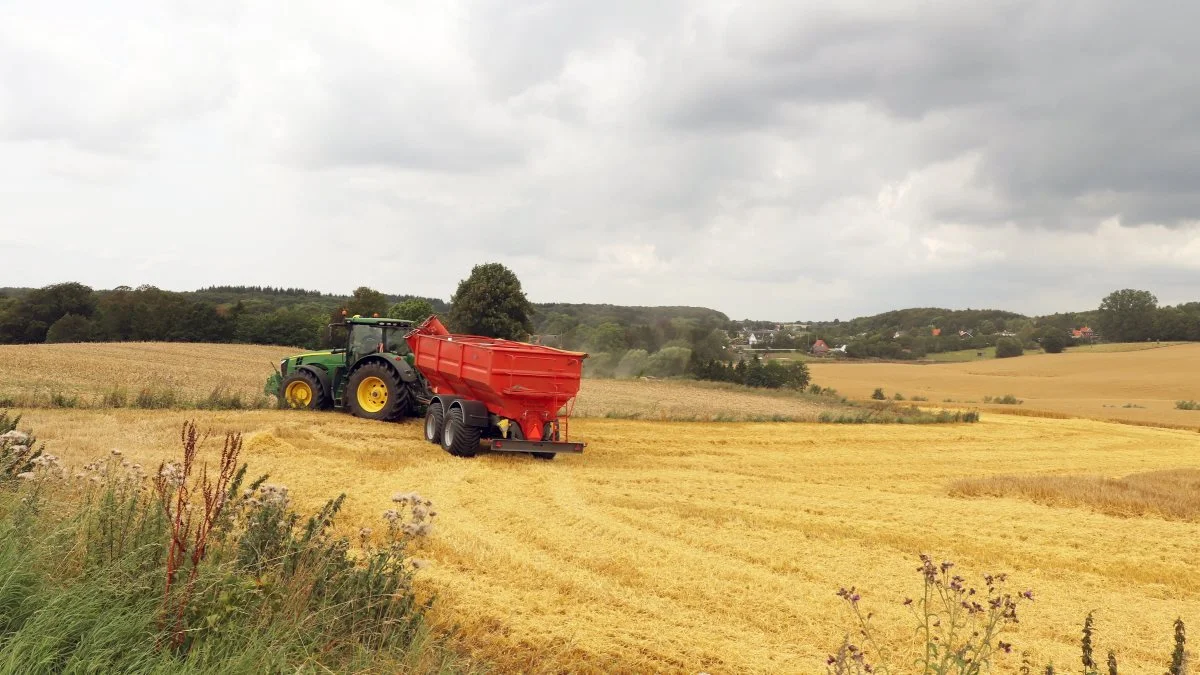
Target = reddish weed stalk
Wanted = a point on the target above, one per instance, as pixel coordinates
(176, 491)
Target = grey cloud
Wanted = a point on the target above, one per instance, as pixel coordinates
(1063, 100)
(774, 159)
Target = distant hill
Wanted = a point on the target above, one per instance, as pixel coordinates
(623, 314)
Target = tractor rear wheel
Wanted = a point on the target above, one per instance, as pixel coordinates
(375, 392)
(459, 438)
(302, 391)
(434, 421)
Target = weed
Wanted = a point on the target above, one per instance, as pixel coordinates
(1007, 399)
(959, 630)
(878, 394)
(115, 398)
(1187, 405)
(60, 400)
(106, 574)
(156, 399)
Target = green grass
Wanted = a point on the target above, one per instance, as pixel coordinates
(962, 355)
(147, 398)
(87, 582)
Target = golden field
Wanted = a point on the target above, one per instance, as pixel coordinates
(680, 547)
(91, 370)
(688, 546)
(1087, 382)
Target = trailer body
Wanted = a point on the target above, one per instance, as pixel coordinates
(516, 394)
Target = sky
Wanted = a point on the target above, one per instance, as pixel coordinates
(785, 160)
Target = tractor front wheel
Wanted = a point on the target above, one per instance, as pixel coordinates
(375, 392)
(302, 391)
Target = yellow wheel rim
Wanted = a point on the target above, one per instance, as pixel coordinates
(298, 394)
(372, 394)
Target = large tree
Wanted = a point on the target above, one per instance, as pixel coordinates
(367, 302)
(490, 302)
(413, 309)
(1127, 315)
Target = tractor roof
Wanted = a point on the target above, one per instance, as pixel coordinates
(378, 321)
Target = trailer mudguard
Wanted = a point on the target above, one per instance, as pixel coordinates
(475, 413)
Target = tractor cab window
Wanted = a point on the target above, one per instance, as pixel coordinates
(364, 340)
(393, 340)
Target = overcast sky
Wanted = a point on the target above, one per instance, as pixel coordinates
(782, 160)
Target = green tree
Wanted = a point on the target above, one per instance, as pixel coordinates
(608, 337)
(1008, 347)
(1054, 344)
(491, 303)
(1171, 323)
(367, 302)
(70, 328)
(1127, 315)
(413, 309)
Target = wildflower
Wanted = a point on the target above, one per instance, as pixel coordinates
(365, 532)
(14, 436)
(1028, 595)
(1005, 647)
(907, 602)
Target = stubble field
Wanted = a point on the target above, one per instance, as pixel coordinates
(682, 547)
(1139, 385)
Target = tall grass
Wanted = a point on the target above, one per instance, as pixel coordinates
(100, 572)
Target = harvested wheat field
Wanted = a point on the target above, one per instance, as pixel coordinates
(1137, 385)
(31, 374)
(686, 547)
(91, 370)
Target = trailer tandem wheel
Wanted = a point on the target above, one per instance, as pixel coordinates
(435, 419)
(459, 438)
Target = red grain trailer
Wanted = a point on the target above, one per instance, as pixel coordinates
(516, 395)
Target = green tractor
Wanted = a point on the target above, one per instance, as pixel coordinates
(372, 376)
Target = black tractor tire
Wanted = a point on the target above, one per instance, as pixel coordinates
(547, 434)
(435, 420)
(459, 438)
(315, 399)
(395, 403)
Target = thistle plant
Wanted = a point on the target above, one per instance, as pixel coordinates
(960, 626)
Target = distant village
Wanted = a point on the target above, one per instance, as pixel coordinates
(798, 337)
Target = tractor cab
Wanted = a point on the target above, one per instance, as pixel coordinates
(372, 375)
